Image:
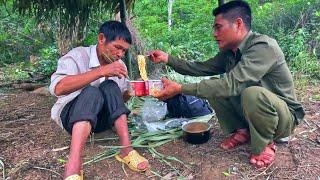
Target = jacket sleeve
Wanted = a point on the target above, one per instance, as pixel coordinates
(255, 62)
(212, 66)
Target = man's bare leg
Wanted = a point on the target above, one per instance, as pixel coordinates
(121, 127)
(80, 132)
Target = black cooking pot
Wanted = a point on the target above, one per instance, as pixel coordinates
(196, 132)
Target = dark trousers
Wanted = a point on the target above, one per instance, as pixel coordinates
(100, 106)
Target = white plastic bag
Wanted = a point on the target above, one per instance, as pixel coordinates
(153, 110)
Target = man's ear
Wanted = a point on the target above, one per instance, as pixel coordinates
(101, 38)
(239, 23)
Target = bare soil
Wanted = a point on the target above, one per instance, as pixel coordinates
(30, 142)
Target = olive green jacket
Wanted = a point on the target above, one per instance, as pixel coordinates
(259, 61)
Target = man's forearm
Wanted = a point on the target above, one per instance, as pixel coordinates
(194, 68)
(73, 83)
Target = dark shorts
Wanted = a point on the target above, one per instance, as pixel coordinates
(101, 106)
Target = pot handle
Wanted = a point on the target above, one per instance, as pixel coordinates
(184, 122)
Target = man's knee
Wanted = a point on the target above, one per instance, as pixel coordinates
(253, 98)
(91, 93)
(109, 85)
(109, 88)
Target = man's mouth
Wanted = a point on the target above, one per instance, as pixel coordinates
(109, 59)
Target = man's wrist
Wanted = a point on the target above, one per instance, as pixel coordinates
(179, 88)
(100, 72)
(166, 59)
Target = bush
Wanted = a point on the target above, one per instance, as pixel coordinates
(191, 33)
(48, 61)
(295, 24)
(292, 42)
(306, 64)
(16, 72)
(20, 37)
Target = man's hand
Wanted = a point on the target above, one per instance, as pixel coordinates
(127, 95)
(171, 89)
(158, 56)
(114, 69)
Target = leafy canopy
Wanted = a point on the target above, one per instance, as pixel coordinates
(69, 13)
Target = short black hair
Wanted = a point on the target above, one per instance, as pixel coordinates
(113, 30)
(235, 9)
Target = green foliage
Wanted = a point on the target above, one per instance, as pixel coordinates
(70, 15)
(48, 61)
(191, 33)
(16, 72)
(295, 24)
(293, 43)
(45, 65)
(306, 64)
(19, 37)
(93, 28)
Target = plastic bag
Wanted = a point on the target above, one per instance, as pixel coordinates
(155, 126)
(153, 110)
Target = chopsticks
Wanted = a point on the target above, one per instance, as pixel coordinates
(108, 58)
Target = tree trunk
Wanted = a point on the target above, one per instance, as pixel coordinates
(123, 18)
(170, 4)
(66, 40)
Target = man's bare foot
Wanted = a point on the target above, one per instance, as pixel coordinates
(239, 137)
(265, 158)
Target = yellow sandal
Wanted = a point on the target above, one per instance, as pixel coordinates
(132, 160)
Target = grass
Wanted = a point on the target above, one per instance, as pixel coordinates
(141, 138)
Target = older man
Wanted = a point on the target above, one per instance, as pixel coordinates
(91, 86)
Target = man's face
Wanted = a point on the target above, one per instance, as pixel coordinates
(114, 50)
(225, 33)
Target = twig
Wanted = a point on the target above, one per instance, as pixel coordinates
(316, 124)
(35, 167)
(306, 122)
(125, 172)
(105, 139)
(271, 173)
(60, 149)
(263, 172)
(155, 173)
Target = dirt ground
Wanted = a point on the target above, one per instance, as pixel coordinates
(30, 142)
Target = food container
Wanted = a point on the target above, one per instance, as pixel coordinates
(153, 87)
(138, 88)
(196, 132)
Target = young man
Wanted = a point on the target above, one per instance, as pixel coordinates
(91, 86)
(255, 100)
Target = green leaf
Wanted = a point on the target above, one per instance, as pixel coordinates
(226, 174)
(61, 161)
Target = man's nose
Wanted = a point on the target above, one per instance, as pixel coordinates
(215, 34)
(120, 54)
